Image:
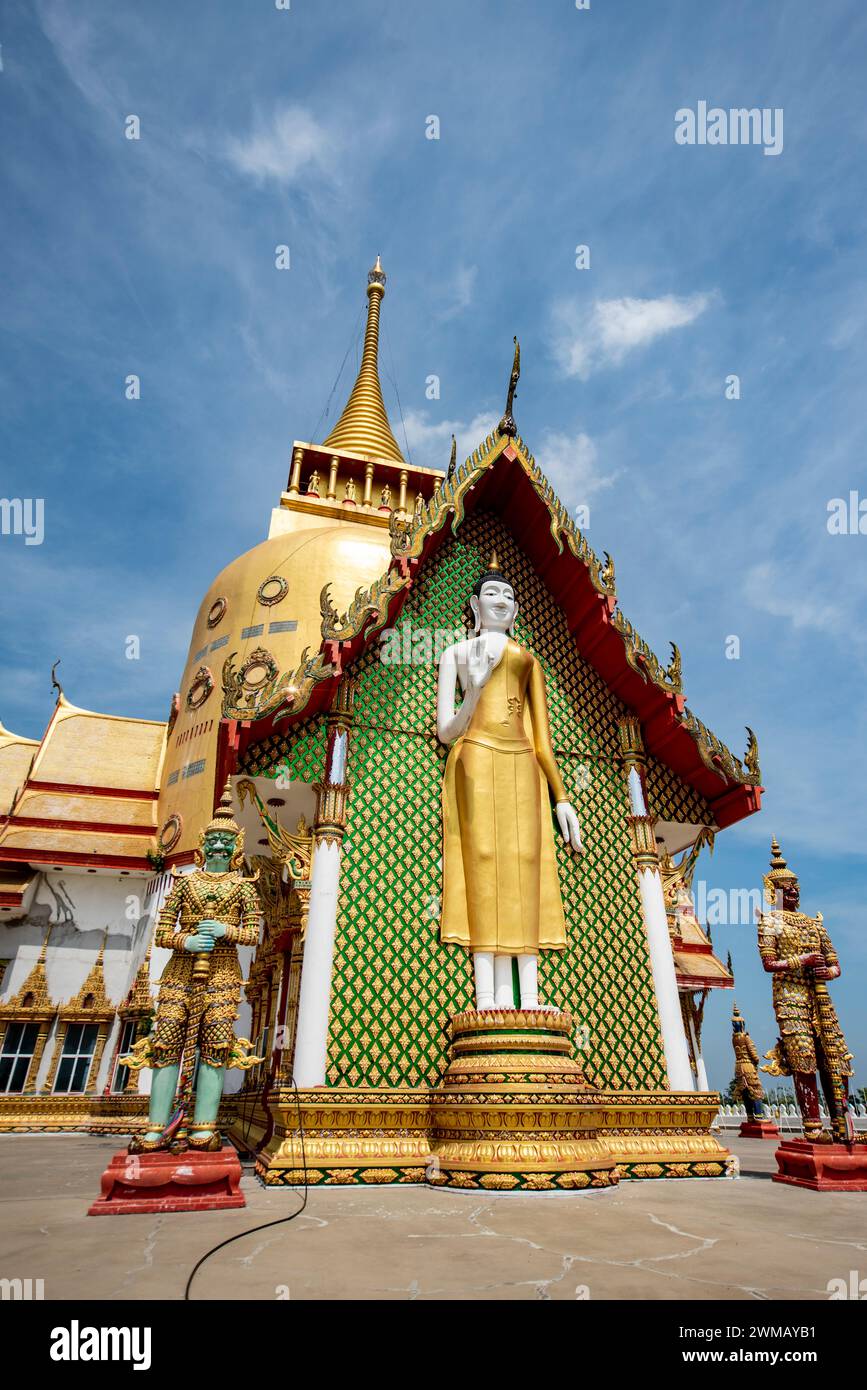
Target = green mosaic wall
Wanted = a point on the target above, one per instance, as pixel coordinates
(670, 799)
(301, 754)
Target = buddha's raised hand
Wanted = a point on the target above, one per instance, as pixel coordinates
(480, 664)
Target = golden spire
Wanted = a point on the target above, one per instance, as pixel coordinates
(363, 427)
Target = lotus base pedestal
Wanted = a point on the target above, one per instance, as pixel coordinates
(507, 1115)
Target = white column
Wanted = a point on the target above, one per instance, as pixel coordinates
(483, 972)
(665, 981)
(701, 1072)
(314, 1000)
(702, 1075)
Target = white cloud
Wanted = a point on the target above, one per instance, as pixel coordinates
(772, 593)
(585, 341)
(569, 462)
(431, 441)
(281, 148)
(82, 50)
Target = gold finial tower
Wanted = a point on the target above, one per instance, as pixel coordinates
(363, 428)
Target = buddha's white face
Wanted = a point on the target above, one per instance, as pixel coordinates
(495, 608)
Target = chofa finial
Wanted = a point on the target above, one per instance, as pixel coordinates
(507, 425)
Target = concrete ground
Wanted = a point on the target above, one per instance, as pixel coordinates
(748, 1239)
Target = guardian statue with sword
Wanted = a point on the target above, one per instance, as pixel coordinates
(206, 916)
(796, 950)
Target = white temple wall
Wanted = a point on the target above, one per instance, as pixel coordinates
(79, 912)
(79, 908)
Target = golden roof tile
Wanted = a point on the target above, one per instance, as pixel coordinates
(83, 749)
(16, 755)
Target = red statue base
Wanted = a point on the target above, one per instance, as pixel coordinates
(134, 1184)
(758, 1129)
(822, 1167)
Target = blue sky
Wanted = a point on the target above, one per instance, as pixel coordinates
(307, 127)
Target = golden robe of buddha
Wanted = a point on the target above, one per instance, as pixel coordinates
(500, 887)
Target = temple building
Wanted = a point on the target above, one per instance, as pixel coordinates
(311, 683)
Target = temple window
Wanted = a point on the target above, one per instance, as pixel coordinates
(19, 1047)
(75, 1060)
(128, 1037)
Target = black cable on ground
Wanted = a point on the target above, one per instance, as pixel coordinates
(266, 1224)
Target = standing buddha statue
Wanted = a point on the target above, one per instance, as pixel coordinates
(501, 893)
(796, 950)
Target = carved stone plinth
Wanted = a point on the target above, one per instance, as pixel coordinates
(758, 1129)
(341, 1135)
(507, 1115)
(134, 1184)
(822, 1167)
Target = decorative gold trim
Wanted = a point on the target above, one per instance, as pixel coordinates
(91, 1004)
(119, 1113)
(631, 741)
(217, 611)
(200, 688)
(644, 842)
(284, 695)
(262, 659)
(330, 824)
(32, 1001)
(293, 850)
(751, 757)
(351, 1134)
(166, 839)
(268, 600)
(372, 603)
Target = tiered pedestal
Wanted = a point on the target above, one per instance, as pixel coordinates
(134, 1184)
(758, 1129)
(822, 1167)
(507, 1115)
